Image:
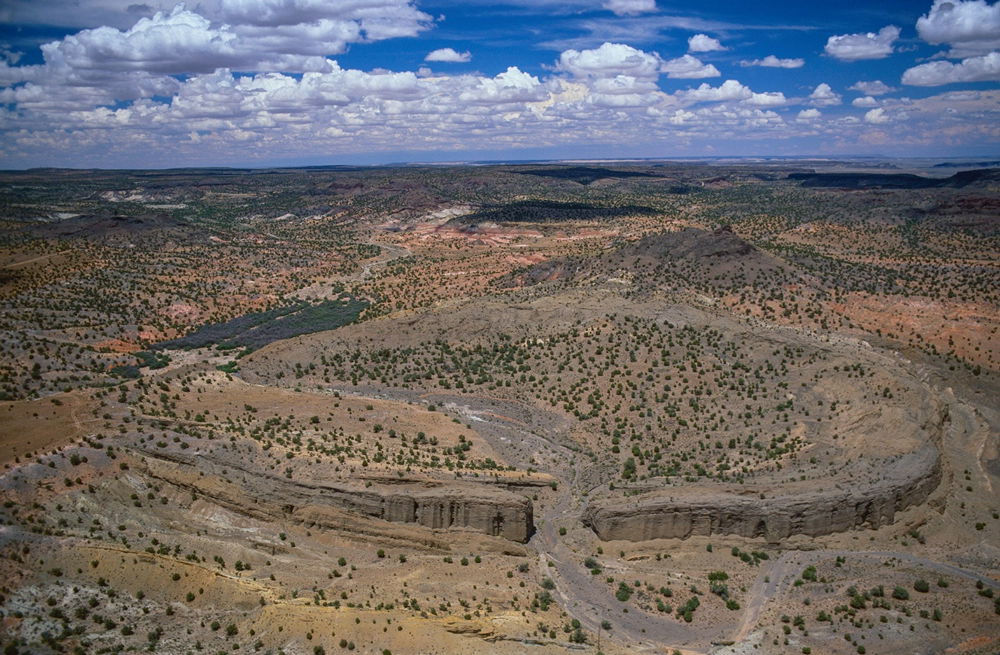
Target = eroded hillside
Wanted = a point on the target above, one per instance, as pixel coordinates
(649, 408)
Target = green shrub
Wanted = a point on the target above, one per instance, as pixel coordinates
(624, 592)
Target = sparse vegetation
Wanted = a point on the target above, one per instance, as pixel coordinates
(312, 409)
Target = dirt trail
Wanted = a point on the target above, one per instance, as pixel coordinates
(389, 253)
(26, 262)
(322, 289)
(764, 588)
(974, 432)
(393, 253)
(588, 599)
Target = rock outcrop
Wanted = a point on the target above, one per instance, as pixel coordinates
(681, 513)
(435, 505)
(692, 244)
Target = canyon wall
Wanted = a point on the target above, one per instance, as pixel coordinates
(680, 513)
(436, 505)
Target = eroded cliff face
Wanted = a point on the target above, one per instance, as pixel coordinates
(435, 505)
(677, 514)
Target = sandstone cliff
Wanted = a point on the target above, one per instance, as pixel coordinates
(679, 513)
(436, 505)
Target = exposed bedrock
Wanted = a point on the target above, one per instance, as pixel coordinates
(680, 513)
(451, 505)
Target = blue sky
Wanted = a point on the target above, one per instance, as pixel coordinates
(258, 82)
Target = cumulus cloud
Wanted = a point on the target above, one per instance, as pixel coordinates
(448, 55)
(854, 47)
(974, 69)
(732, 91)
(630, 7)
(511, 86)
(771, 61)
(728, 90)
(767, 99)
(876, 88)
(179, 42)
(271, 112)
(704, 43)
(876, 116)
(9, 55)
(682, 116)
(106, 65)
(608, 60)
(688, 68)
(383, 18)
(622, 85)
(184, 42)
(824, 96)
(255, 80)
(971, 27)
(377, 19)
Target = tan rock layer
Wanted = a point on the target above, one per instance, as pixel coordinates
(451, 505)
(906, 481)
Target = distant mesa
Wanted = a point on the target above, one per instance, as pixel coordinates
(584, 174)
(976, 164)
(547, 211)
(692, 243)
(100, 225)
(975, 214)
(716, 252)
(895, 180)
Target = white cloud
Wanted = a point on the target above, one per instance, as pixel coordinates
(511, 86)
(185, 42)
(824, 96)
(974, 69)
(630, 7)
(609, 60)
(876, 88)
(767, 99)
(10, 56)
(704, 43)
(688, 68)
(854, 47)
(179, 42)
(971, 27)
(681, 116)
(380, 18)
(105, 65)
(876, 116)
(224, 116)
(448, 55)
(728, 90)
(252, 81)
(623, 100)
(622, 85)
(771, 61)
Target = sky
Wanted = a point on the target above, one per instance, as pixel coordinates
(155, 84)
